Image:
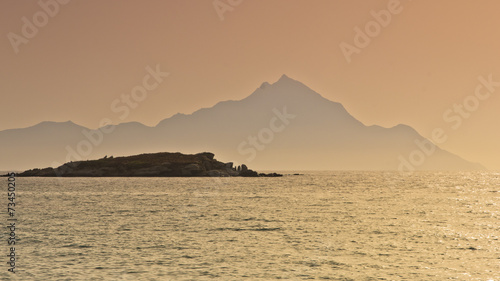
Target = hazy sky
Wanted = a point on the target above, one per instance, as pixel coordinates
(417, 65)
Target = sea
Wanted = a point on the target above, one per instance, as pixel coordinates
(311, 226)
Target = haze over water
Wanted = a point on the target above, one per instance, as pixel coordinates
(318, 226)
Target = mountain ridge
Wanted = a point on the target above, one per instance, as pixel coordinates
(283, 125)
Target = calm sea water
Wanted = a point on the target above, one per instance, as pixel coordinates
(317, 226)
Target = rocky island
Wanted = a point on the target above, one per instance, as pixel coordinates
(149, 165)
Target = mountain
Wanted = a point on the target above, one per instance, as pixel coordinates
(284, 125)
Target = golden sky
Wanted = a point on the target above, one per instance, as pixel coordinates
(415, 67)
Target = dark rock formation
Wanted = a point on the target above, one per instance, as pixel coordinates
(148, 165)
(244, 168)
(270, 175)
(248, 173)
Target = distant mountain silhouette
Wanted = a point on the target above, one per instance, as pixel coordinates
(284, 125)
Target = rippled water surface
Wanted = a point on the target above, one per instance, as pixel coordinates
(316, 226)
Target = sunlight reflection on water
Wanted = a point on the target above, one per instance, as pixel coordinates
(320, 225)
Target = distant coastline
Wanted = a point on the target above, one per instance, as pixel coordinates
(163, 164)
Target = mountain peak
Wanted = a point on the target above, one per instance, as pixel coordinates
(285, 78)
(264, 85)
(54, 123)
(282, 81)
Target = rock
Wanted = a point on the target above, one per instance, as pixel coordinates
(148, 165)
(232, 173)
(191, 170)
(214, 173)
(270, 175)
(193, 167)
(249, 173)
(209, 155)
